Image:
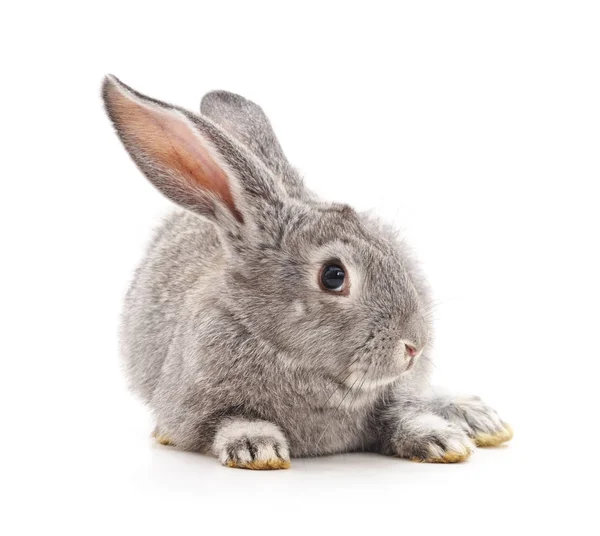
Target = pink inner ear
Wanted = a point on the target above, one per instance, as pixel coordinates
(169, 140)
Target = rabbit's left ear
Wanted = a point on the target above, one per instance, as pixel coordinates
(192, 161)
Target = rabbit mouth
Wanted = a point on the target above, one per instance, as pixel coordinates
(379, 382)
(368, 380)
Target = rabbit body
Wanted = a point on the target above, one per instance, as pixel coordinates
(228, 333)
(190, 359)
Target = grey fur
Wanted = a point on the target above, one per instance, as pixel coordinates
(224, 321)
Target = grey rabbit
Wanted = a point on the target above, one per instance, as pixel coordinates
(265, 323)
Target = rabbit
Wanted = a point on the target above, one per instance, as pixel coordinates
(265, 323)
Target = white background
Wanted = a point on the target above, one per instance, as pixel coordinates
(474, 126)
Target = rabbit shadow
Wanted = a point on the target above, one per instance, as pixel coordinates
(176, 471)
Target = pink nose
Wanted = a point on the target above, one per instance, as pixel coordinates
(410, 350)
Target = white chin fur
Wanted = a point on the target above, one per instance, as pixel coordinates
(357, 380)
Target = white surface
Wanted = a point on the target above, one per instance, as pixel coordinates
(474, 126)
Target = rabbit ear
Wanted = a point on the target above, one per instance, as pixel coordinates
(247, 122)
(189, 159)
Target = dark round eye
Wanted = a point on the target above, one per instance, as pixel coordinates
(332, 277)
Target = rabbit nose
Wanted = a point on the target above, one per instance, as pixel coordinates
(411, 350)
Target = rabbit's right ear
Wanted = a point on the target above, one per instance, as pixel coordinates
(190, 159)
(247, 122)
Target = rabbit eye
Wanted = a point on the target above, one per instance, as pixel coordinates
(333, 278)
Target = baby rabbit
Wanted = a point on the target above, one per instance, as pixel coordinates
(266, 323)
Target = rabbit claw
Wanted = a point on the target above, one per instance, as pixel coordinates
(246, 444)
(479, 420)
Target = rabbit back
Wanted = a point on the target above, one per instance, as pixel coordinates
(183, 249)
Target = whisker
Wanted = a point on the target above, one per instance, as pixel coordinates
(340, 384)
(357, 393)
(428, 359)
(336, 410)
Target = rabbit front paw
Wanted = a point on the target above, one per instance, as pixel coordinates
(479, 420)
(248, 444)
(431, 439)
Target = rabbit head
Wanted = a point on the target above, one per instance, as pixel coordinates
(330, 290)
